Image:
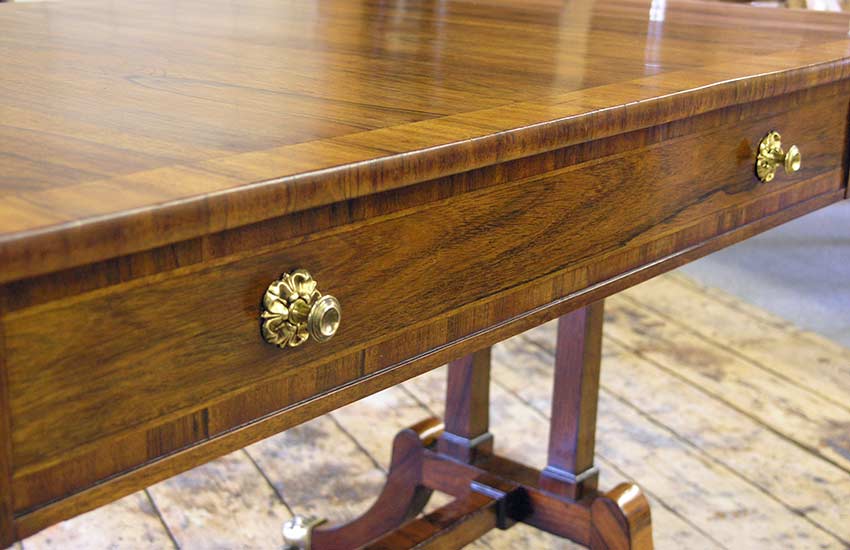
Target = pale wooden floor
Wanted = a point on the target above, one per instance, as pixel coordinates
(735, 423)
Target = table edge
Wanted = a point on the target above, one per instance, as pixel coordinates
(353, 166)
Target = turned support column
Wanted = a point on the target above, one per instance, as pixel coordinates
(572, 432)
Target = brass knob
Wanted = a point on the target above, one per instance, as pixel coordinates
(293, 310)
(771, 156)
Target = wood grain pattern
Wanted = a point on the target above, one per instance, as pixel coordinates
(572, 434)
(493, 492)
(405, 404)
(233, 486)
(7, 507)
(720, 501)
(621, 520)
(211, 355)
(521, 433)
(402, 498)
(467, 412)
(130, 522)
(230, 246)
(756, 340)
(454, 525)
(283, 117)
(209, 515)
(719, 374)
(706, 425)
(177, 186)
(736, 443)
(139, 475)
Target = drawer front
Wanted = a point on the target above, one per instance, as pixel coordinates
(175, 348)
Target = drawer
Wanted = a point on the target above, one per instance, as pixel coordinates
(183, 348)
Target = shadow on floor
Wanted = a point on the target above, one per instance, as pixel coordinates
(799, 271)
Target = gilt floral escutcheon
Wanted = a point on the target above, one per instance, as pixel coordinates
(286, 306)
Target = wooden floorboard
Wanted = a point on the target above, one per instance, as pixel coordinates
(734, 422)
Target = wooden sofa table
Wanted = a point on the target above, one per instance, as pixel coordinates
(219, 219)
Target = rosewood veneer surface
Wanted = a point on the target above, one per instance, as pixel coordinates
(454, 172)
(131, 125)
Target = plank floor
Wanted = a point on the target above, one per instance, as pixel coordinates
(734, 422)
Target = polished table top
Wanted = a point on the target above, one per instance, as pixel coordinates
(449, 173)
(160, 121)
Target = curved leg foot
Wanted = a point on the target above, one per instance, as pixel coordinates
(402, 498)
(621, 520)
